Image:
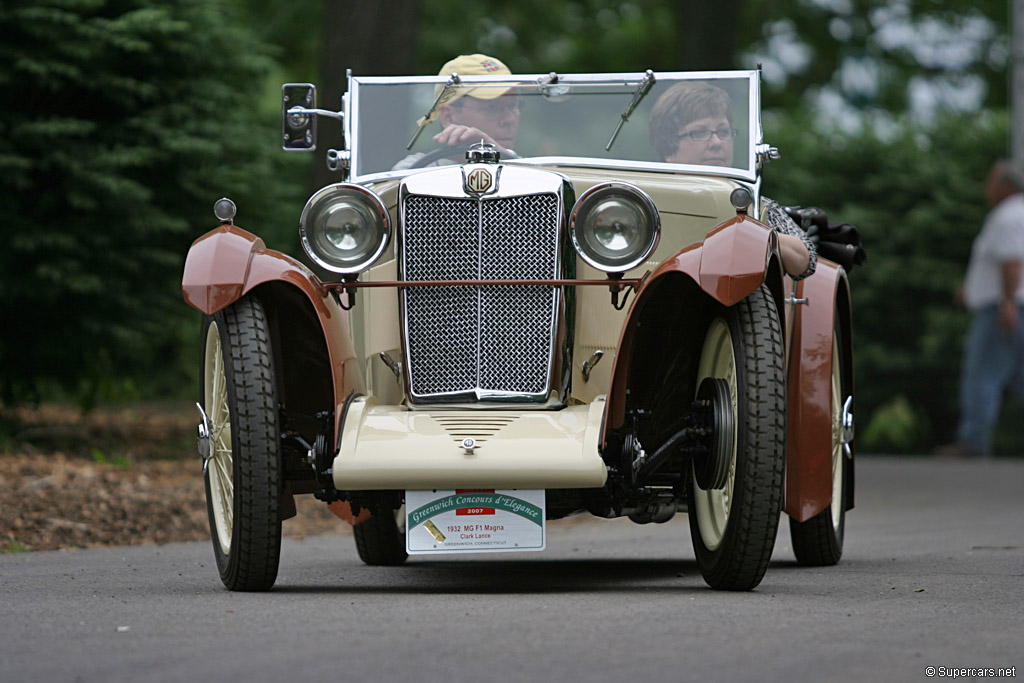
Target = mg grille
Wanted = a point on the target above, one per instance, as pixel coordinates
(490, 339)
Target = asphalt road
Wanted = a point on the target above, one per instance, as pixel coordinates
(932, 576)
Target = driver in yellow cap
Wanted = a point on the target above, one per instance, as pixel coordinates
(469, 115)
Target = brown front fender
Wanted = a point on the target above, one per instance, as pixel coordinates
(217, 268)
(227, 263)
(735, 258)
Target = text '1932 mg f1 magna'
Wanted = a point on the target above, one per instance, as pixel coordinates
(586, 308)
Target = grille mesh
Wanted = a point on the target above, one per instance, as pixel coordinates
(490, 338)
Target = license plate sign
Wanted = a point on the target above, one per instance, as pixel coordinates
(474, 520)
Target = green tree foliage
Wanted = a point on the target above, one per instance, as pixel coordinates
(292, 28)
(884, 55)
(917, 197)
(538, 36)
(122, 122)
(383, 45)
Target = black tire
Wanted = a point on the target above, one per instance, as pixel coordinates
(244, 479)
(818, 542)
(733, 529)
(380, 540)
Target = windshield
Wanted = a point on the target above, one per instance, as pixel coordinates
(705, 122)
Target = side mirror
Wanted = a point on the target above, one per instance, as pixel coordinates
(298, 121)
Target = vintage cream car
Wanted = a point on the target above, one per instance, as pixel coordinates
(487, 339)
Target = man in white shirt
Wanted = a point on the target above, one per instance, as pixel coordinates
(993, 292)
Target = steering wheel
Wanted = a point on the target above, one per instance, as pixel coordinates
(443, 152)
(450, 152)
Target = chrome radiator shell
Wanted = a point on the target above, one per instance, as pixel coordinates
(485, 344)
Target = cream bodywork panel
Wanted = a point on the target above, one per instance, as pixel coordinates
(375, 319)
(390, 447)
(689, 206)
(381, 334)
(387, 445)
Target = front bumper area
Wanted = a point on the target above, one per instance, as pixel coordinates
(391, 447)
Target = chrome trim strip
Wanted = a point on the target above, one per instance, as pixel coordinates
(618, 283)
(593, 79)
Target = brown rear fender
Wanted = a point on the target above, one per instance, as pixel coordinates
(809, 438)
(660, 341)
(314, 355)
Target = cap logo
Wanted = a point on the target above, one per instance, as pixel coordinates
(479, 180)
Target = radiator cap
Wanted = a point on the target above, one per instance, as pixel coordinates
(483, 153)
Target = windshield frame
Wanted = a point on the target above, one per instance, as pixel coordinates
(353, 95)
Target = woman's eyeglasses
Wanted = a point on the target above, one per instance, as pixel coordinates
(703, 134)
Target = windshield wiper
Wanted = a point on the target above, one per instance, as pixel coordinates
(641, 91)
(425, 119)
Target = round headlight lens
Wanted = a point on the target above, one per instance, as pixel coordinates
(345, 228)
(615, 226)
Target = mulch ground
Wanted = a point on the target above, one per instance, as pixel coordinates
(124, 476)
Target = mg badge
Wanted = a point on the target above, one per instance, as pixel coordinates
(479, 181)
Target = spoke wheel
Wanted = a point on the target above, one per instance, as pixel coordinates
(380, 540)
(243, 477)
(733, 528)
(712, 505)
(819, 541)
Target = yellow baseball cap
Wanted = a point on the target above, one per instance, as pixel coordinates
(469, 65)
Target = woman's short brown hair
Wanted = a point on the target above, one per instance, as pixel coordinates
(681, 104)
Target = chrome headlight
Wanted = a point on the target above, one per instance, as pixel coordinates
(345, 228)
(615, 226)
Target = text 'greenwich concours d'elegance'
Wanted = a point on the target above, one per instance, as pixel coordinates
(529, 297)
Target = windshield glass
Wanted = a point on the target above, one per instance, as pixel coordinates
(704, 122)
